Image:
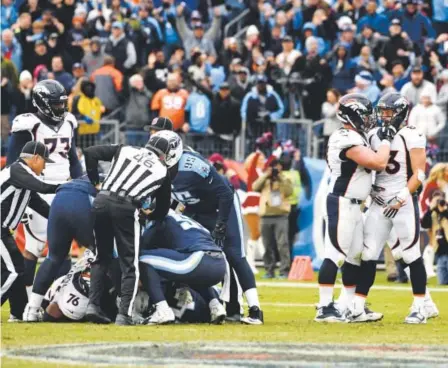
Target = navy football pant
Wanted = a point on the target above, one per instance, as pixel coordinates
(234, 251)
(70, 218)
(200, 270)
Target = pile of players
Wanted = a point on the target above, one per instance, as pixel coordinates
(374, 154)
(156, 266)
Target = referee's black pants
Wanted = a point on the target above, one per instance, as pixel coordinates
(116, 219)
(13, 284)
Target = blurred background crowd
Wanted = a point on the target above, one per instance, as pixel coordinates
(230, 70)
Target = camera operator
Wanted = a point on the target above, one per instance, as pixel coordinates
(436, 220)
(275, 188)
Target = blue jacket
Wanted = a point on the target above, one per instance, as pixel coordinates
(16, 55)
(343, 78)
(66, 79)
(251, 105)
(416, 26)
(378, 22)
(440, 10)
(8, 16)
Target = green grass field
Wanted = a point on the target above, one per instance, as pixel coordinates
(288, 315)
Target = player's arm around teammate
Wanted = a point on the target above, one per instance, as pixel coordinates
(351, 162)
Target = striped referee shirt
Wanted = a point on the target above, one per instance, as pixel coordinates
(135, 172)
(19, 187)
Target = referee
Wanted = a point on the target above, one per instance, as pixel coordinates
(136, 174)
(19, 184)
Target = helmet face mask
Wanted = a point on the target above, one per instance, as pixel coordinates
(357, 111)
(393, 110)
(50, 99)
(167, 145)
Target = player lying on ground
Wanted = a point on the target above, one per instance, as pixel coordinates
(351, 162)
(395, 205)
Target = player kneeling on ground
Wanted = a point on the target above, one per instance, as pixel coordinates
(180, 249)
(395, 196)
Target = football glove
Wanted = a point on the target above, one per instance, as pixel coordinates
(390, 212)
(219, 234)
(376, 197)
(387, 133)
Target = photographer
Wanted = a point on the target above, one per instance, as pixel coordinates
(275, 188)
(436, 220)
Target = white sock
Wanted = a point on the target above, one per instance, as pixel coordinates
(252, 297)
(428, 296)
(162, 305)
(407, 271)
(359, 302)
(419, 301)
(349, 294)
(325, 295)
(213, 302)
(35, 300)
(29, 291)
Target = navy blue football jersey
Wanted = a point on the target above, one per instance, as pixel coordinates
(199, 187)
(179, 233)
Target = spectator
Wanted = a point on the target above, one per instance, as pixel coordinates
(39, 57)
(56, 46)
(251, 42)
(197, 68)
(287, 58)
(239, 85)
(329, 113)
(398, 47)
(78, 71)
(8, 14)
(436, 220)
(51, 23)
(347, 37)
(24, 102)
(9, 71)
(75, 38)
(151, 33)
(199, 108)
(137, 112)
(230, 52)
(367, 37)
(64, 10)
(121, 49)
(343, 70)
(109, 83)
(261, 106)
(440, 16)
(7, 98)
(387, 82)
(357, 11)
(156, 72)
(366, 85)
(171, 101)
(413, 90)
(442, 97)
(94, 59)
(415, 24)
(87, 109)
(22, 31)
(378, 22)
(275, 188)
(365, 61)
(32, 7)
(66, 79)
(11, 48)
(400, 75)
(427, 117)
(197, 37)
(40, 73)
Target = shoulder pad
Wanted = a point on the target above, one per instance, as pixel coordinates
(70, 118)
(345, 138)
(412, 137)
(24, 122)
(193, 163)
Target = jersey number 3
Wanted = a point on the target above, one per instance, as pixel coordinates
(393, 166)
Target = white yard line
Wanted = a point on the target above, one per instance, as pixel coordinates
(307, 285)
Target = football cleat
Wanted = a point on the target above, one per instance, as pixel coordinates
(161, 316)
(13, 319)
(373, 316)
(365, 316)
(255, 317)
(217, 312)
(94, 314)
(123, 320)
(430, 309)
(329, 313)
(416, 316)
(32, 314)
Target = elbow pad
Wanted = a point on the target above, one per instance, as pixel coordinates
(421, 176)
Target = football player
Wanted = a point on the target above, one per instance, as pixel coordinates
(70, 218)
(210, 200)
(179, 249)
(395, 205)
(55, 127)
(351, 162)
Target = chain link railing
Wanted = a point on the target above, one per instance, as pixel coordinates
(109, 134)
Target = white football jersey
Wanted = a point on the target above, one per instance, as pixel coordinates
(58, 138)
(398, 170)
(347, 178)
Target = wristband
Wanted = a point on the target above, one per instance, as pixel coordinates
(403, 194)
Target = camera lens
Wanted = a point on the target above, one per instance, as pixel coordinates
(442, 202)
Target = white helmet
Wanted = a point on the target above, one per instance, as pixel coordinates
(167, 145)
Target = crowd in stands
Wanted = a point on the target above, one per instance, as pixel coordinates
(293, 59)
